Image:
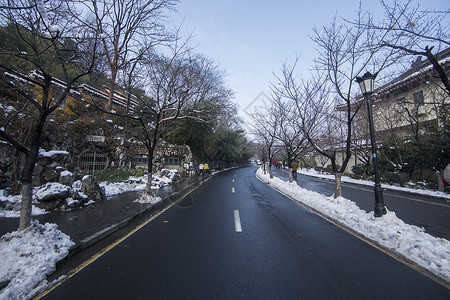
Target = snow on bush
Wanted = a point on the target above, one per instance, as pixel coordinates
(390, 232)
(28, 256)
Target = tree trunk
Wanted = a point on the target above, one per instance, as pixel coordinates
(148, 186)
(290, 175)
(112, 85)
(270, 170)
(338, 189)
(26, 206)
(27, 187)
(27, 173)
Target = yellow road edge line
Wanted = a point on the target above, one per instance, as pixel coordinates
(77, 269)
(374, 244)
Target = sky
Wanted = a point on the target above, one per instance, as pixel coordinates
(251, 39)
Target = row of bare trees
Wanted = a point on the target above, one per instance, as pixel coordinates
(126, 42)
(323, 108)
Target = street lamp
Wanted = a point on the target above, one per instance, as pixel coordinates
(366, 83)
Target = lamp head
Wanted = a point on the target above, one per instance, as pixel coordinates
(366, 83)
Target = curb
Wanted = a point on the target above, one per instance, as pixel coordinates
(397, 256)
(161, 205)
(386, 188)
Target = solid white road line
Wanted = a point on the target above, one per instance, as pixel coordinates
(237, 221)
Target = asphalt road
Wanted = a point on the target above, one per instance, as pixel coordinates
(430, 213)
(236, 238)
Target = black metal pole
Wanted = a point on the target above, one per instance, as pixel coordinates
(379, 209)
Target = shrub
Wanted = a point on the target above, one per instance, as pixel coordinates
(118, 175)
(362, 169)
(392, 178)
(329, 169)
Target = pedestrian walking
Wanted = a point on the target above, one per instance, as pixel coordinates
(294, 166)
(206, 168)
(200, 167)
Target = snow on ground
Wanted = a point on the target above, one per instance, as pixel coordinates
(163, 178)
(389, 232)
(29, 256)
(312, 172)
(10, 207)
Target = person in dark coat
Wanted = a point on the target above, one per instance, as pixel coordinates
(294, 166)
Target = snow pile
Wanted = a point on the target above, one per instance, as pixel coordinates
(132, 184)
(161, 179)
(10, 207)
(147, 198)
(390, 232)
(28, 256)
(164, 177)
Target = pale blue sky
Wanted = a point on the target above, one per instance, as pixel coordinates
(250, 39)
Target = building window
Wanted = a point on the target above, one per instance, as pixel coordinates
(418, 98)
(173, 161)
(92, 160)
(140, 160)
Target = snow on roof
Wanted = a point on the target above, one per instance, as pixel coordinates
(417, 69)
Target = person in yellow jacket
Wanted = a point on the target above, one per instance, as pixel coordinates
(206, 168)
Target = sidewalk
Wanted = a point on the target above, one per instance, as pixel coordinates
(89, 224)
(284, 175)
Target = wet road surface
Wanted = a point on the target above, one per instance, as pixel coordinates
(236, 238)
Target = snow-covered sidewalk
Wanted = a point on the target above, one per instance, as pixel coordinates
(312, 172)
(389, 232)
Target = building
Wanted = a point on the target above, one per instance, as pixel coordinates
(408, 105)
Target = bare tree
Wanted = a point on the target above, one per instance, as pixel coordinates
(344, 51)
(422, 33)
(415, 31)
(314, 109)
(289, 130)
(265, 127)
(128, 28)
(176, 87)
(50, 42)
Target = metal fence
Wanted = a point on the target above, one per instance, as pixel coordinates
(92, 160)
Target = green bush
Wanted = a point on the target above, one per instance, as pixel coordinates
(118, 175)
(362, 169)
(329, 169)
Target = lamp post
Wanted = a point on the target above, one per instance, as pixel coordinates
(366, 83)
